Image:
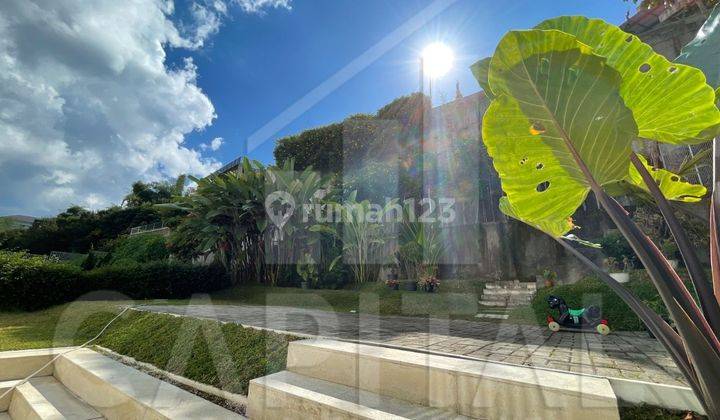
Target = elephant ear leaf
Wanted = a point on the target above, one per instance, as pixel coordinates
(480, 70)
(672, 186)
(671, 102)
(554, 226)
(703, 51)
(552, 93)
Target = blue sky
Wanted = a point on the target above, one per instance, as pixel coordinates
(257, 65)
(98, 94)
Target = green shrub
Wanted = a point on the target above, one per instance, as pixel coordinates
(591, 291)
(139, 249)
(614, 245)
(33, 282)
(157, 279)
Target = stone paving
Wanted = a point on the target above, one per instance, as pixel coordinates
(631, 355)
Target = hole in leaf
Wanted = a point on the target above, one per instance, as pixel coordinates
(523, 160)
(629, 38)
(675, 178)
(537, 128)
(539, 166)
(543, 186)
(672, 69)
(544, 66)
(644, 68)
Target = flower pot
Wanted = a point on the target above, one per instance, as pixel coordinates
(621, 277)
(430, 288)
(410, 286)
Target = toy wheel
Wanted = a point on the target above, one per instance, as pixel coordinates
(603, 329)
(554, 326)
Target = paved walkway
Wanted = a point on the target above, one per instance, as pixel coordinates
(631, 355)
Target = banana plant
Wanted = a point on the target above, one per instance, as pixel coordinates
(569, 99)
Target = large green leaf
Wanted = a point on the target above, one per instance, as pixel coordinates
(480, 70)
(552, 225)
(671, 102)
(703, 51)
(672, 186)
(551, 92)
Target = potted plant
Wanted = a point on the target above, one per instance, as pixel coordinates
(429, 283)
(307, 269)
(391, 279)
(549, 276)
(617, 269)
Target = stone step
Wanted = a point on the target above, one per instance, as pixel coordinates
(4, 387)
(473, 388)
(46, 398)
(511, 285)
(288, 395)
(19, 364)
(495, 301)
(503, 292)
(507, 298)
(119, 391)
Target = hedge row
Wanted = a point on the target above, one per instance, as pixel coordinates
(34, 282)
(591, 291)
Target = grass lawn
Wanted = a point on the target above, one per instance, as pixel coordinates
(455, 299)
(224, 355)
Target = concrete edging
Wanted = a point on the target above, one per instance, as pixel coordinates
(626, 390)
(238, 399)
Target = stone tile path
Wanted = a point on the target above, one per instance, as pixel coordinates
(631, 355)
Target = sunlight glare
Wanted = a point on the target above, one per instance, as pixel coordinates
(438, 59)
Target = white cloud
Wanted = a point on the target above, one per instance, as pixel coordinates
(88, 104)
(259, 6)
(214, 144)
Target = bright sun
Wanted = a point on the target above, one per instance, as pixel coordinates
(438, 59)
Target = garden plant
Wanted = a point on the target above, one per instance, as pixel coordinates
(569, 99)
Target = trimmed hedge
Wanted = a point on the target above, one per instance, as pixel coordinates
(591, 291)
(35, 282)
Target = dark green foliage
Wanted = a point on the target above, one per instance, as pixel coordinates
(139, 249)
(154, 192)
(591, 291)
(359, 139)
(31, 282)
(157, 279)
(320, 148)
(646, 412)
(227, 356)
(78, 230)
(90, 262)
(615, 245)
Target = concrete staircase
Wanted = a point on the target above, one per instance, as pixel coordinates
(343, 380)
(85, 385)
(507, 294)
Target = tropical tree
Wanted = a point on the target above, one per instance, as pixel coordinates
(155, 192)
(226, 219)
(569, 98)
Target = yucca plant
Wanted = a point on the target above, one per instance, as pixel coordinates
(569, 99)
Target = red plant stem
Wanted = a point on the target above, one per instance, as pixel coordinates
(709, 304)
(646, 256)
